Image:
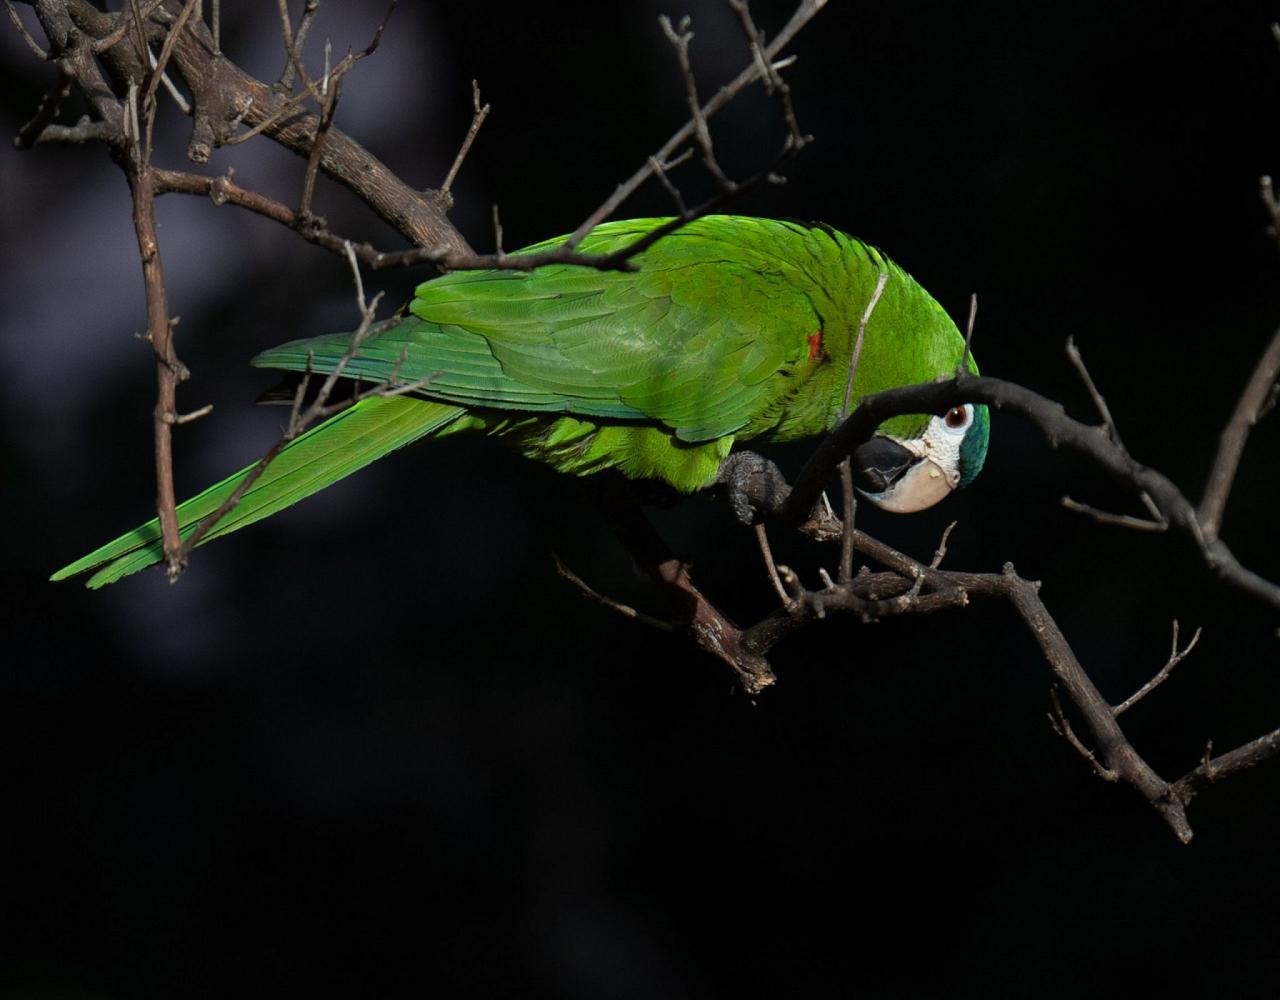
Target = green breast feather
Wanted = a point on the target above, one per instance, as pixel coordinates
(731, 329)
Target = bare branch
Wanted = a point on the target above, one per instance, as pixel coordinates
(802, 15)
(478, 115)
(192, 417)
(1176, 656)
(166, 52)
(221, 91)
(773, 82)
(680, 39)
(1061, 726)
(623, 609)
(1214, 769)
(660, 172)
(183, 105)
(126, 22)
(967, 357)
(83, 131)
(223, 190)
(283, 113)
(940, 552)
(881, 280)
(1118, 520)
(1053, 423)
(169, 370)
(497, 236)
(34, 130)
(32, 44)
(762, 538)
(322, 134)
(1248, 411)
(301, 419)
(850, 510)
(294, 44)
(1077, 361)
(712, 630)
(76, 57)
(133, 12)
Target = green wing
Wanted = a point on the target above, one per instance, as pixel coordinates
(694, 339)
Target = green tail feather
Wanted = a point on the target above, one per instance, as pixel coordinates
(329, 451)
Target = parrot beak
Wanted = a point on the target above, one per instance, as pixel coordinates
(896, 479)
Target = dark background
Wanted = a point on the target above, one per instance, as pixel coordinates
(376, 744)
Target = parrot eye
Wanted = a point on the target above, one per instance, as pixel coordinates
(958, 418)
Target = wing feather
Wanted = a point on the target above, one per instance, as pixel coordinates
(690, 340)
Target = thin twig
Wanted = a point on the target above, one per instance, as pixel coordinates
(113, 37)
(966, 359)
(623, 609)
(660, 172)
(1077, 361)
(850, 510)
(1176, 656)
(166, 53)
(223, 190)
(192, 417)
(478, 115)
(277, 117)
(1061, 726)
(294, 44)
(680, 38)
(32, 44)
(881, 280)
(301, 419)
(1253, 401)
(1214, 769)
(497, 235)
(1118, 520)
(940, 552)
(802, 15)
(762, 539)
(46, 110)
(773, 82)
(183, 104)
(317, 148)
(134, 11)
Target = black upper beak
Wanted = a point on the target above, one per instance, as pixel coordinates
(879, 463)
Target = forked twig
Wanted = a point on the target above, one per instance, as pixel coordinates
(1176, 656)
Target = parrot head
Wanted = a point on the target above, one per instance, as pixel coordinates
(908, 473)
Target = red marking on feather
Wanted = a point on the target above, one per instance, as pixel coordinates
(815, 346)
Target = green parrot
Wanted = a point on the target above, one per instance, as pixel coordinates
(731, 329)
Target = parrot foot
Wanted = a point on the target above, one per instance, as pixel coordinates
(753, 484)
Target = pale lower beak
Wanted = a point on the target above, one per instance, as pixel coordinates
(917, 487)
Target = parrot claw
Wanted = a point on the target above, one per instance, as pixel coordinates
(753, 484)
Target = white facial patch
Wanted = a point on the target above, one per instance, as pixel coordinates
(941, 441)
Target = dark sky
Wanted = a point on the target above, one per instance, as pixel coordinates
(377, 743)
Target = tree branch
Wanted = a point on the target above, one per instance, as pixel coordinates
(1248, 411)
(1058, 429)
